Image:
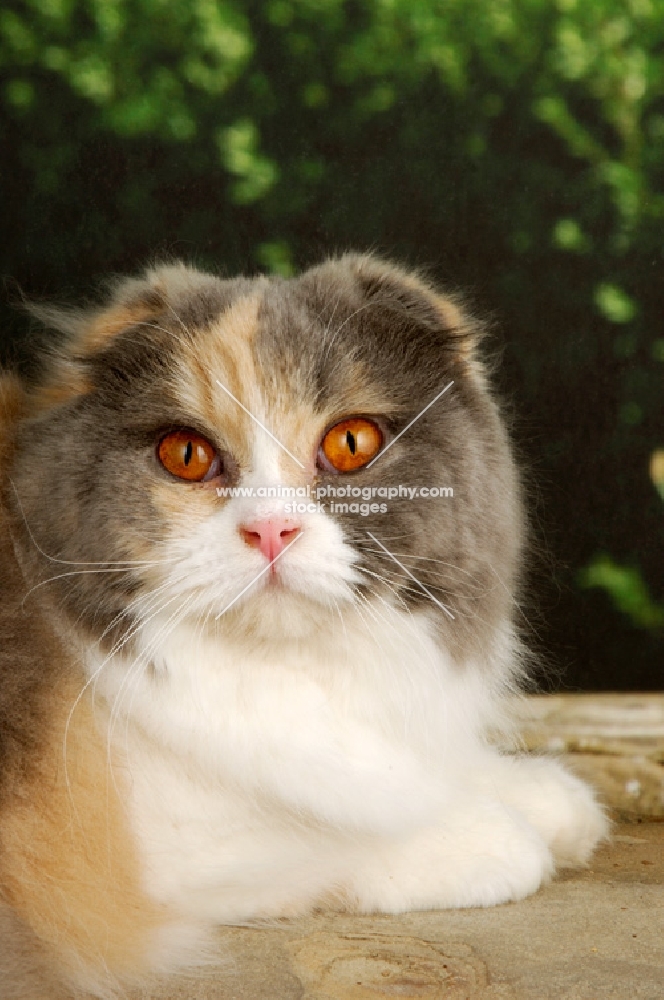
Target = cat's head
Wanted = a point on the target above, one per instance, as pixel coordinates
(185, 386)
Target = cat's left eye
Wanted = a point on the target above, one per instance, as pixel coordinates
(189, 456)
(350, 444)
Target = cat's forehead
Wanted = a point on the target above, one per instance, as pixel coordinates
(268, 359)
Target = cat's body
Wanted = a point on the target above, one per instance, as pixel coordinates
(200, 725)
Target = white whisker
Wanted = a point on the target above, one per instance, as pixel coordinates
(414, 578)
(77, 562)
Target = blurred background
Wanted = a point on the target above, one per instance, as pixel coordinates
(512, 148)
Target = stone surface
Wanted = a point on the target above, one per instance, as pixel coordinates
(615, 741)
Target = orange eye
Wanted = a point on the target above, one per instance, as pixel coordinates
(186, 455)
(352, 443)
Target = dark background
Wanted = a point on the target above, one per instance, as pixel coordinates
(512, 148)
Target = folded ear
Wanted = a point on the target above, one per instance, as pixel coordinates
(413, 298)
(62, 374)
(175, 295)
(133, 302)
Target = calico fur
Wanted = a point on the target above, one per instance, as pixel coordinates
(190, 737)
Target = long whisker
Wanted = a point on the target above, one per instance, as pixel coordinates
(444, 587)
(92, 681)
(133, 675)
(356, 312)
(413, 578)
(80, 572)
(397, 594)
(417, 558)
(409, 589)
(179, 319)
(328, 325)
(140, 601)
(146, 603)
(388, 583)
(387, 617)
(142, 660)
(75, 562)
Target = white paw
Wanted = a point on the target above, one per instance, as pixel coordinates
(480, 854)
(560, 806)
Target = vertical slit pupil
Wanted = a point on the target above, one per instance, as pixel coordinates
(188, 452)
(350, 441)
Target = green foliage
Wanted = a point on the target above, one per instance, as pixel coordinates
(627, 590)
(515, 147)
(142, 64)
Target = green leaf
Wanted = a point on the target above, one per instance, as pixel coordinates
(627, 590)
(614, 303)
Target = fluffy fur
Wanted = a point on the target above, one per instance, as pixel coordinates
(189, 736)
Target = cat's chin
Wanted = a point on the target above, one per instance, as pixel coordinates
(279, 613)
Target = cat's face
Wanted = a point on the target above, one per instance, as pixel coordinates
(187, 386)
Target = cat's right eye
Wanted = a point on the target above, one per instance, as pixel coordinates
(189, 456)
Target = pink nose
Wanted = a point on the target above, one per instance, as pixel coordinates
(271, 536)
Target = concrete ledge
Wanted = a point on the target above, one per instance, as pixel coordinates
(614, 741)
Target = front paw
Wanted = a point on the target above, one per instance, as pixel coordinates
(560, 806)
(480, 854)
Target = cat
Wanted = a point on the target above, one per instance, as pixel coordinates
(225, 695)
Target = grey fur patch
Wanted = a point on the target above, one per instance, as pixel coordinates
(465, 550)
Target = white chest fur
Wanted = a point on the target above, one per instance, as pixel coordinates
(258, 773)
